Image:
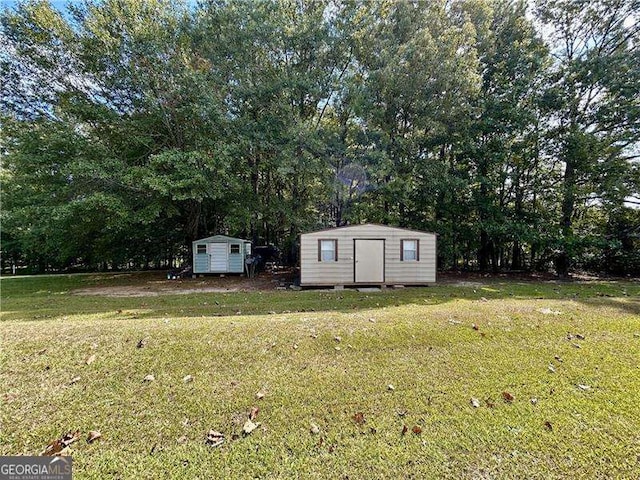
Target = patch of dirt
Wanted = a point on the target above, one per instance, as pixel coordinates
(155, 286)
(146, 291)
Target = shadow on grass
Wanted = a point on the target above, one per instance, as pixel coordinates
(40, 298)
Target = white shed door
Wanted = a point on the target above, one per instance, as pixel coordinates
(369, 261)
(219, 257)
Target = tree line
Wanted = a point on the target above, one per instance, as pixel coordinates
(130, 128)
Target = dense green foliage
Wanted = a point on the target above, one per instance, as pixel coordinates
(130, 128)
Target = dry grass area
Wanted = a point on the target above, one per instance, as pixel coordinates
(323, 363)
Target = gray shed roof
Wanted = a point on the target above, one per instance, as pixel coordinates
(221, 238)
(376, 225)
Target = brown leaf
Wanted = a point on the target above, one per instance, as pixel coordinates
(58, 446)
(91, 359)
(475, 402)
(416, 429)
(475, 327)
(214, 438)
(405, 429)
(93, 436)
(490, 403)
(548, 425)
(359, 418)
(508, 397)
(253, 413)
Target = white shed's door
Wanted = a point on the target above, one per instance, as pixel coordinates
(369, 261)
(219, 255)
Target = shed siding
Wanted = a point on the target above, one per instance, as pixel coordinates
(342, 271)
(236, 263)
(201, 263)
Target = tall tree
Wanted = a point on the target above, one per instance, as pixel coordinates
(594, 104)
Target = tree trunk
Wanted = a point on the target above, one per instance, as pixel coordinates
(563, 259)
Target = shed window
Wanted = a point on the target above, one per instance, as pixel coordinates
(409, 250)
(201, 248)
(235, 248)
(327, 250)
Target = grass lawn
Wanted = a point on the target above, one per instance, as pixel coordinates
(321, 358)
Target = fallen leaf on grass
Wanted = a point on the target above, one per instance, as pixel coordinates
(534, 401)
(93, 436)
(188, 378)
(337, 339)
(548, 311)
(579, 337)
(74, 380)
(91, 359)
(584, 387)
(508, 397)
(391, 388)
(249, 427)
(416, 430)
(253, 413)
(260, 394)
(475, 327)
(149, 378)
(576, 345)
(359, 418)
(551, 369)
(295, 346)
(60, 446)
(483, 299)
(141, 343)
(548, 425)
(475, 402)
(315, 429)
(182, 439)
(405, 429)
(214, 438)
(558, 358)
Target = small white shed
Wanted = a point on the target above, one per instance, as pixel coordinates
(220, 254)
(367, 254)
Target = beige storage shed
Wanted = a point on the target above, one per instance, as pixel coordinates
(367, 254)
